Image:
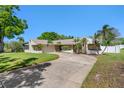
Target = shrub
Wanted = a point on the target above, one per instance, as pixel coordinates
(66, 47)
(38, 47)
(93, 47)
(13, 46)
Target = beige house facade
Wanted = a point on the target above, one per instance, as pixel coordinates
(67, 45)
(55, 46)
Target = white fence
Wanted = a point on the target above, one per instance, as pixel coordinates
(121, 46)
(109, 49)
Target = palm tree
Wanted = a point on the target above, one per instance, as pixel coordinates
(77, 45)
(84, 43)
(107, 35)
(96, 42)
(76, 40)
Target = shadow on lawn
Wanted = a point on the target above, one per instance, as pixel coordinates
(7, 59)
(27, 77)
(5, 63)
(25, 62)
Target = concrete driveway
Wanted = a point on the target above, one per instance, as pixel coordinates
(66, 72)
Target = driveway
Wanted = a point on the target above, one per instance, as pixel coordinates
(66, 72)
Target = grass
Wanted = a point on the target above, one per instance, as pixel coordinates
(10, 61)
(108, 72)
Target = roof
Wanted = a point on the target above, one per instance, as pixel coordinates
(64, 42)
(55, 42)
(36, 42)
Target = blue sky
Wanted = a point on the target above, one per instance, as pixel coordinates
(78, 21)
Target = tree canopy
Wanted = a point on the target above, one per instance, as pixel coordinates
(53, 36)
(121, 40)
(10, 24)
(106, 35)
(13, 46)
(21, 40)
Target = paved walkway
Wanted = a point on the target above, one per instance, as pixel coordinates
(66, 72)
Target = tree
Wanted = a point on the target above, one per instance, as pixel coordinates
(121, 40)
(65, 37)
(16, 46)
(84, 43)
(21, 40)
(10, 24)
(107, 35)
(96, 42)
(77, 46)
(50, 36)
(13, 46)
(7, 47)
(76, 40)
(38, 47)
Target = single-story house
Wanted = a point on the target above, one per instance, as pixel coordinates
(54, 46)
(67, 45)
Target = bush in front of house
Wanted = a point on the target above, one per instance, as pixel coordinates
(66, 47)
(78, 48)
(94, 47)
(38, 47)
(13, 46)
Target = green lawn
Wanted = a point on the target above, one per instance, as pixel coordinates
(10, 61)
(107, 72)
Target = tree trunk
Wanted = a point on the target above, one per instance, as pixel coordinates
(97, 51)
(1, 45)
(85, 49)
(104, 49)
